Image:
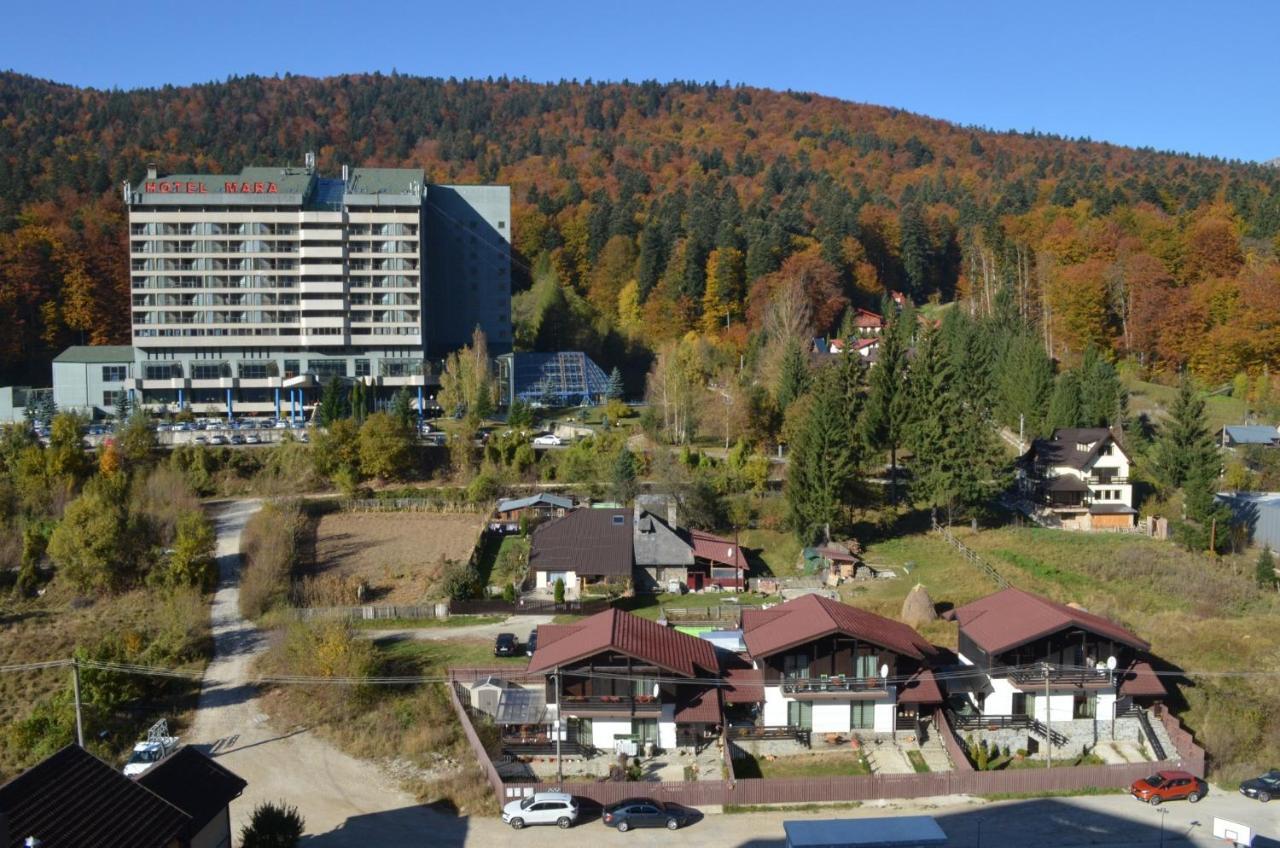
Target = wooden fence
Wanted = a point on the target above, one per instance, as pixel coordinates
(719, 614)
(420, 612)
(527, 607)
(971, 555)
(409, 505)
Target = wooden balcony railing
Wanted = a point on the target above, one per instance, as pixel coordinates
(832, 685)
(1058, 675)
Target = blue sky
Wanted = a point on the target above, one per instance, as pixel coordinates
(1171, 75)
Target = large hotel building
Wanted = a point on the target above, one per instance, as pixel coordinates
(250, 291)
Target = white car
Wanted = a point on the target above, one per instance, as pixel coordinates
(548, 440)
(556, 808)
(146, 754)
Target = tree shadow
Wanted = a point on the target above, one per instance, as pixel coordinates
(407, 827)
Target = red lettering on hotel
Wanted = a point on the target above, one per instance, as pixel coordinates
(200, 188)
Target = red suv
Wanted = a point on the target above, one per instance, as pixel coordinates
(1169, 786)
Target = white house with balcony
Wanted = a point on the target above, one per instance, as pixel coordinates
(1079, 479)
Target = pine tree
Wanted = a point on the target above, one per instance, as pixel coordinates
(1103, 400)
(1184, 448)
(793, 381)
(1025, 385)
(1266, 569)
(333, 403)
(887, 405)
(824, 461)
(1065, 406)
(615, 388)
(624, 476)
(402, 406)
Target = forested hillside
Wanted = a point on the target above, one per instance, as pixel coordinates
(645, 211)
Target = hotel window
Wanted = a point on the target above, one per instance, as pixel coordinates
(111, 398)
(115, 373)
(362, 368)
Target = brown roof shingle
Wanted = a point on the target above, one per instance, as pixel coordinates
(75, 800)
(195, 784)
(811, 617)
(615, 630)
(1012, 617)
(592, 542)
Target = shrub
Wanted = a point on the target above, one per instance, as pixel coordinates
(509, 593)
(272, 826)
(270, 546)
(559, 591)
(460, 580)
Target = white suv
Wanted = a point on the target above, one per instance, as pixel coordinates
(555, 808)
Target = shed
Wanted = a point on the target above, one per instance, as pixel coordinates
(889, 832)
(486, 694)
(1259, 512)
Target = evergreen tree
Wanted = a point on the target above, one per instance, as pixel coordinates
(1064, 408)
(793, 380)
(951, 445)
(887, 404)
(624, 476)
(824, 461)
(1184, 448)
(333, 403)
(1025, 385)
(1103, 400)
(124, 406)
(615, 388)
(1266, 569)
(914, 248)
(402, 407)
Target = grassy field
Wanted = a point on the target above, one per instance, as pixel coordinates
(775, 552)
(1155, 399)
(425, 623)
(494, 550)
(801, 765)
(1200, 615)
(650, 606)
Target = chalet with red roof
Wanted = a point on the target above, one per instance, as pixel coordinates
(622, 676)
(867, 323)
(828, 667)
(1018, 645)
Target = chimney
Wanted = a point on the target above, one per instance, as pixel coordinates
(311, 161)
(344, 173)
(151, 172)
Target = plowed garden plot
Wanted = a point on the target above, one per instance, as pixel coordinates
(397, 555)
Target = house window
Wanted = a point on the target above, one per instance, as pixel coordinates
(644, 730)
(1019, 703)
(111, 398)
(862, 715)
(866, 666)
(1105, 451)
(800, 714)
(115, 373)
(502, 225)
(1085, 705)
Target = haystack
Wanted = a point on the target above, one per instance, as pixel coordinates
(918, 609)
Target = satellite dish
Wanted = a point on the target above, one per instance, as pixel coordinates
(884, 670)
(1111, 663)
(656, 691)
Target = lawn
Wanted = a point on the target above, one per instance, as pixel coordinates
(502, 559)
(801, 765)
(1155, 399)
(432, 657)
(770, 552)
(1199, 613)
(425, 623)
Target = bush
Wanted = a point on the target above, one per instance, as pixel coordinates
(509, 593)
(460, 580)
(270, 546)
(272, 826)
(559, 591)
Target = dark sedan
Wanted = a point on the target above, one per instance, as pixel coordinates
(1263, 787)
(506, 645)
(644, 812)
(532, 644)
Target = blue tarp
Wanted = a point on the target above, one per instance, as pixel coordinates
(891, 832)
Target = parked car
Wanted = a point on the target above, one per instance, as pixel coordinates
(201, 440)
(644, 812)
(548, 440)
(252, 439)
(506, 645)
(1169, 786)
(237, 439)
(1264, 787)
(556, 808)
(217, 440)
(281, 425)
(531, 645)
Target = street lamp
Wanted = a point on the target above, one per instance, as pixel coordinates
(1163, 811)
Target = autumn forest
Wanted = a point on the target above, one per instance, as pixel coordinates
(649, 213)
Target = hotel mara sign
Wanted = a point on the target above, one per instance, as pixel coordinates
(229, 187)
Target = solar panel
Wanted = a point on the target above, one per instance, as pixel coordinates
(522, 706)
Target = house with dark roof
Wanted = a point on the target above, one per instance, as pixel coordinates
(829, 667)
(200, 787)
(1079, 479)
(74, 800)
(1019, 645)
(586, 546)
(618, 676)
(536, 507)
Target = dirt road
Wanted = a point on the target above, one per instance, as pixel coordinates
(345, 801)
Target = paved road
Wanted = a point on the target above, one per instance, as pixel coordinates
(1104, 821)
(517, 624)
(345, 801)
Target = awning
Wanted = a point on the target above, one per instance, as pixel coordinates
(920, 688)
(742, 686)
(1141, 681)
(700, 708)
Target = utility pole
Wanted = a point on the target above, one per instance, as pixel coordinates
(559, 732)
(1048, 717)
(75, 689)
(1022, 423)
